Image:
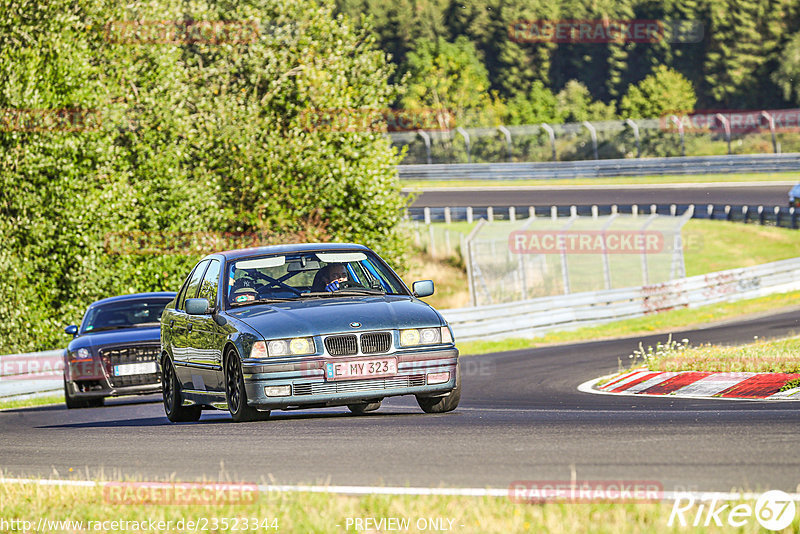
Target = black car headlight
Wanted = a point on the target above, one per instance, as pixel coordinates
(412, 337)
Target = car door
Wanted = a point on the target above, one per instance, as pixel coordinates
(206, 338)
(181, 327)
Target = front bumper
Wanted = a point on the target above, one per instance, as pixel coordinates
(91, 380)
(309, 386)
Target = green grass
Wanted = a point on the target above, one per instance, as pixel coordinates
(793, 176)
(322, 513)
(36, 401)
(761, 356)
(652, 324)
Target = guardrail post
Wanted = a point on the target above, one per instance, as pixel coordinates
(531, 212)
(512, 213)
(595, 211)
(635, 128)
(593, 133)
(673, 210)
(635, 210)
(727, 125)
(426, 213)
(771, 122)
(653, 209)
(710, 211)
(490, 214)
(427, 140)
(554, 212)
(505, 131)
(573, 211)
(614, 209)
(552, 134)
(447, 216)
(727, 213)
(793, 213)
(465, 135)
(469, 214)
(761, 215)
(679, 124)
(777, 211)
(745, 213)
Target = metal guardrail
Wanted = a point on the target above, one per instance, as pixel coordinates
(31, 373)
(758, 163)
(538, 316)
(783, 216)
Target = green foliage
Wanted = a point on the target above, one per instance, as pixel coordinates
(535, 106)
(574, 104)
(787, 75)
(191, 137)
(662, 93)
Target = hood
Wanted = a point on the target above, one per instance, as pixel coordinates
(333, 315)
(149, 334)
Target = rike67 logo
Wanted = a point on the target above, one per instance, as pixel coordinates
(774, 510)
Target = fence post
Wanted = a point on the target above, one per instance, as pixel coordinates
(427, 140)
(679, 124)
(635, 128)
(593, 133)
(426, 212)
(447, 216)
(771, 122)
(507, 135)
(512, 213)
(465, 135)
(490, 214)
(469, 214)
(552, 134)
(727, 125)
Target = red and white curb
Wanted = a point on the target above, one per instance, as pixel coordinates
(697, 384)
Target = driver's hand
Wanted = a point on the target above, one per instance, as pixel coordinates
(333, 286)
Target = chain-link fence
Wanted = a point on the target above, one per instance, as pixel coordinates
(509, 261)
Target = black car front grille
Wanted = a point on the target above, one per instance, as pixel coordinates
(346, 386)
(346, 345)
(125, 355)
(375, 343)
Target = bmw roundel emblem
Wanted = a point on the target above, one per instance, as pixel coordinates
(355, 324)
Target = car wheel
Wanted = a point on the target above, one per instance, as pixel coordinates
(364, 407)
(442, 404)
(235, 393)
(72, 402)
(173, 403)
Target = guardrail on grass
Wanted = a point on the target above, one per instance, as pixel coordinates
(538, 316)
(31, 373)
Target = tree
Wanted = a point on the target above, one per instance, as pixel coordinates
(536, 106)
(787, 76)
(574, 104)
(663, 92)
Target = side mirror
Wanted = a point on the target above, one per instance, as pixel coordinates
(422, 288)
(197, 306)
(71, 330)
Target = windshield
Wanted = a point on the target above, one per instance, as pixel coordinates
(124, 314)
(309, 275)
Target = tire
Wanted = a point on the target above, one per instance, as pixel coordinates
(235, 394)
(173, 401)
(364, 407)
(442, 404)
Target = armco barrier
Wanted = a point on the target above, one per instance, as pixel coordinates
(538, 316)
(31, 373)
(603, 168)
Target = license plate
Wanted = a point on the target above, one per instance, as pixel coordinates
(349, 370)
(126, 369)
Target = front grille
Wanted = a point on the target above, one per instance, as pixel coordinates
(376, 342)
(342, 345)
(135, 354)
(346, 386)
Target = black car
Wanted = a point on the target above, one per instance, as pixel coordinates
(114, 351)
(303, 326)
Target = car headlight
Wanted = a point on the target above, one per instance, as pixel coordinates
(412, 337)
(297, 346)
(80, 355)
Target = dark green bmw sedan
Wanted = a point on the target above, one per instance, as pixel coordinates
(302, 326)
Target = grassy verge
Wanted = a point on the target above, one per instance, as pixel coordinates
(651, 324)
(321, 513)
(36, 401)
(761, 356)
(621, 180)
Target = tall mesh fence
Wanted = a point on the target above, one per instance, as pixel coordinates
(509, 261)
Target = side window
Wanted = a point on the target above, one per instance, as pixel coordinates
(194, 283)
(208, 288)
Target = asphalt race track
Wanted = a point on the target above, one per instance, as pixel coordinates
(521, 418)
(733, 194)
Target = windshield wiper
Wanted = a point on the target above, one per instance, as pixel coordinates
(346, 292)
(118, 327)
(257, 301)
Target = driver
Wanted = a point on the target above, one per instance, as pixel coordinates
(330, 277)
